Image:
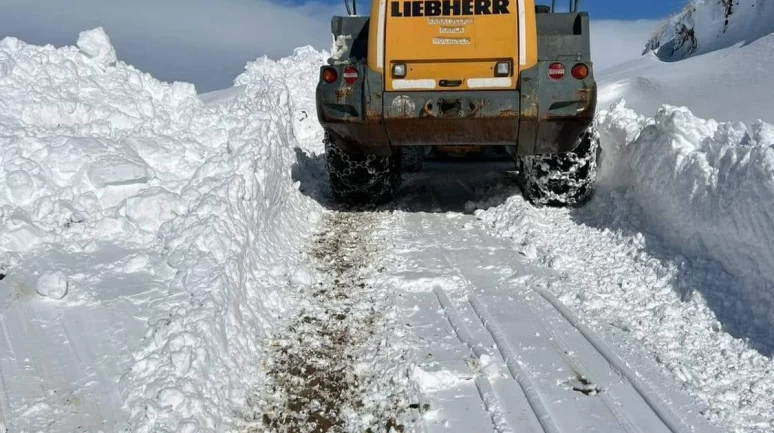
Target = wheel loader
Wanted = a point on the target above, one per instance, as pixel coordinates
(459, 74)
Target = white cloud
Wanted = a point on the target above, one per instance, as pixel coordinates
(614, 42)
(207, 42)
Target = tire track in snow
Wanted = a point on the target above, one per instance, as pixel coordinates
(674, 423)
(510, 361)
(484, 386)
(334, 367)
(584, 375)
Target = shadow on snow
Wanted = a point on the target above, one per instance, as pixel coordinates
(720, 289)
(443, 185)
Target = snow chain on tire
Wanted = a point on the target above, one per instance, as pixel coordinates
(565, 179)
(360, 179)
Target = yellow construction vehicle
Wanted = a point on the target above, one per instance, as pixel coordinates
(419, 73)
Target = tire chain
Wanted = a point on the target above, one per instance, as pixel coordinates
(565, 179)
(361, 179)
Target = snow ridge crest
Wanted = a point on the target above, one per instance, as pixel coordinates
(708, 25)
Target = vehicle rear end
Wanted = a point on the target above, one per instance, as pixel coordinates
(451, 70)
(458, 73)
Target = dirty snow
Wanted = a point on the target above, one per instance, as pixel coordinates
(342, 364)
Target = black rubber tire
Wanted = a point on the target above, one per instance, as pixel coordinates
(361, 179)
(562, 180)
(412, 158)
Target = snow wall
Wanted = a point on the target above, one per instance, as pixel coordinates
(707, 188)
(106, 163)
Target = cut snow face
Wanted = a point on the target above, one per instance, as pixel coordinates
(146, 238)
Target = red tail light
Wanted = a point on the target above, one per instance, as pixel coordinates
(350, 75)
(329, 75)
(580, 71)
(556, 71)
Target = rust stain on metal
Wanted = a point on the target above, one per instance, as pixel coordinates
(530, 111)
(342, 93)
(372, 115)
(452, 130)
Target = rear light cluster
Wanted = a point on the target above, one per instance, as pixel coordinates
(350, 75)
(329, 75)
(557, 71)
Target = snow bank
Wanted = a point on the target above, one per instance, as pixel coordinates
(707, 187)
(707, 25)
(674, 256)
(100, 161)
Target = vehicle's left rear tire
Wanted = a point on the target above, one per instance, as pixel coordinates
(361, 178)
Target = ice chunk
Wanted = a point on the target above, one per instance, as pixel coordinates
(52, 285)
(21, 187)
(117, 170)
(96, 44)
(6, 65)
(302, 276)
(149, 210)
(433, 381)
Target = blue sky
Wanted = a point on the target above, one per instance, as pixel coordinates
(208, 42)
(626, 9)
(597, 9)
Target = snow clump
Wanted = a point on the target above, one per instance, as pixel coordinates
(96, 44)
(52, 285)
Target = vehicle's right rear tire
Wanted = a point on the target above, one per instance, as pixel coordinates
(361, 178)
(561, 180)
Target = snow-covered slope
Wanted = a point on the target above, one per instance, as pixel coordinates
(706, 187)
(145, 238)
(725, 75)
(708, 25)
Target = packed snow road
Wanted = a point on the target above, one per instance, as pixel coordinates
(478, 341)
(494, 350)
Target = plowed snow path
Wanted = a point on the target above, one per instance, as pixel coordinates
(424, 322)
(495, 351)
